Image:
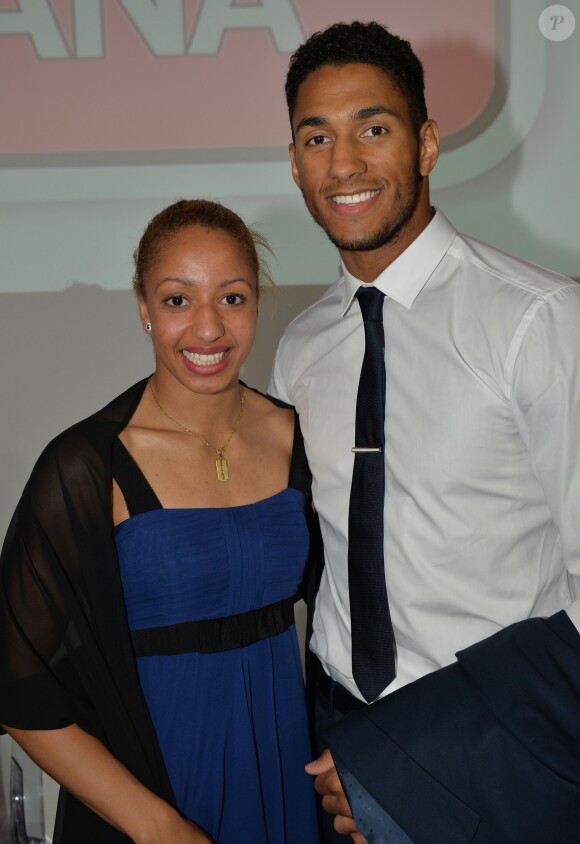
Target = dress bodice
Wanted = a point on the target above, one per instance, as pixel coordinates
(187, 564)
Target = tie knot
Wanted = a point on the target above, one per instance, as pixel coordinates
(370, 300)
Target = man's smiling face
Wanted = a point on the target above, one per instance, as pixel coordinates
(358, 160)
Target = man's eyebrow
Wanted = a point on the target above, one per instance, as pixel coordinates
(359, 114)
(312, 121)
(373, 111)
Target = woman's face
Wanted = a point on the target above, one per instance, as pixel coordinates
(201, 300)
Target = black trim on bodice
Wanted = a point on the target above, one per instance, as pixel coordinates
(137, 491)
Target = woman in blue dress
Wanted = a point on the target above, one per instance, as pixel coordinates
(207, 491)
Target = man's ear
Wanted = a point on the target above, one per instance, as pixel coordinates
(428, 147)
(295, 174)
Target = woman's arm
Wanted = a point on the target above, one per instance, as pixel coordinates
(84, 766)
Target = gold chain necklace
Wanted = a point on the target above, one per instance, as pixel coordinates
(221, 464)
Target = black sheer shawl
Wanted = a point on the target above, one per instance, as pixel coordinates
(66, 655)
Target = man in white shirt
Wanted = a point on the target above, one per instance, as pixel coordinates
(482, 469)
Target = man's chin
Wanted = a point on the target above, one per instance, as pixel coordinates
(352, 242)
(370, 241)
(359, 243)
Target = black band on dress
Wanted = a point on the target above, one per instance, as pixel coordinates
(213, 635)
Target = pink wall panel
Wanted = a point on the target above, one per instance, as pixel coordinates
(131, 99)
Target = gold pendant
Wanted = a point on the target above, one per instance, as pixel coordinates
(221, 466)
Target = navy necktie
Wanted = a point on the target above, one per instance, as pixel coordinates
(373, 642)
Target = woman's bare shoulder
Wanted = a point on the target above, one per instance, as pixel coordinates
(269, 407)
(274, 420)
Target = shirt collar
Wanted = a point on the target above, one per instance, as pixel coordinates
(404, 279)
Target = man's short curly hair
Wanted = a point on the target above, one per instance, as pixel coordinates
(361, 43)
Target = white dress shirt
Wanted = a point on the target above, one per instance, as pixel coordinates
(482, 504)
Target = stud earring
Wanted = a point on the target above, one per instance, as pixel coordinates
(147, 326)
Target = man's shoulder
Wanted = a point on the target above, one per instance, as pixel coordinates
(301, 341)
(324, 311)
(492, 265)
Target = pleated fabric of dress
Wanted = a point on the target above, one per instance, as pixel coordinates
(231, 725)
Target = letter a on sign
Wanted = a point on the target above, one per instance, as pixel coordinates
(217, 16)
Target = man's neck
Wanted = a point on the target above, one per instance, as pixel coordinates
(368, 265)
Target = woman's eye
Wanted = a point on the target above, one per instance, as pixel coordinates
(175, 301)
(234, 299)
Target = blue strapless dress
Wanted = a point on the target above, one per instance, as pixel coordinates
(231, 725)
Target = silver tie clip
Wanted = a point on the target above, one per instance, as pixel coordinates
(362, 450)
